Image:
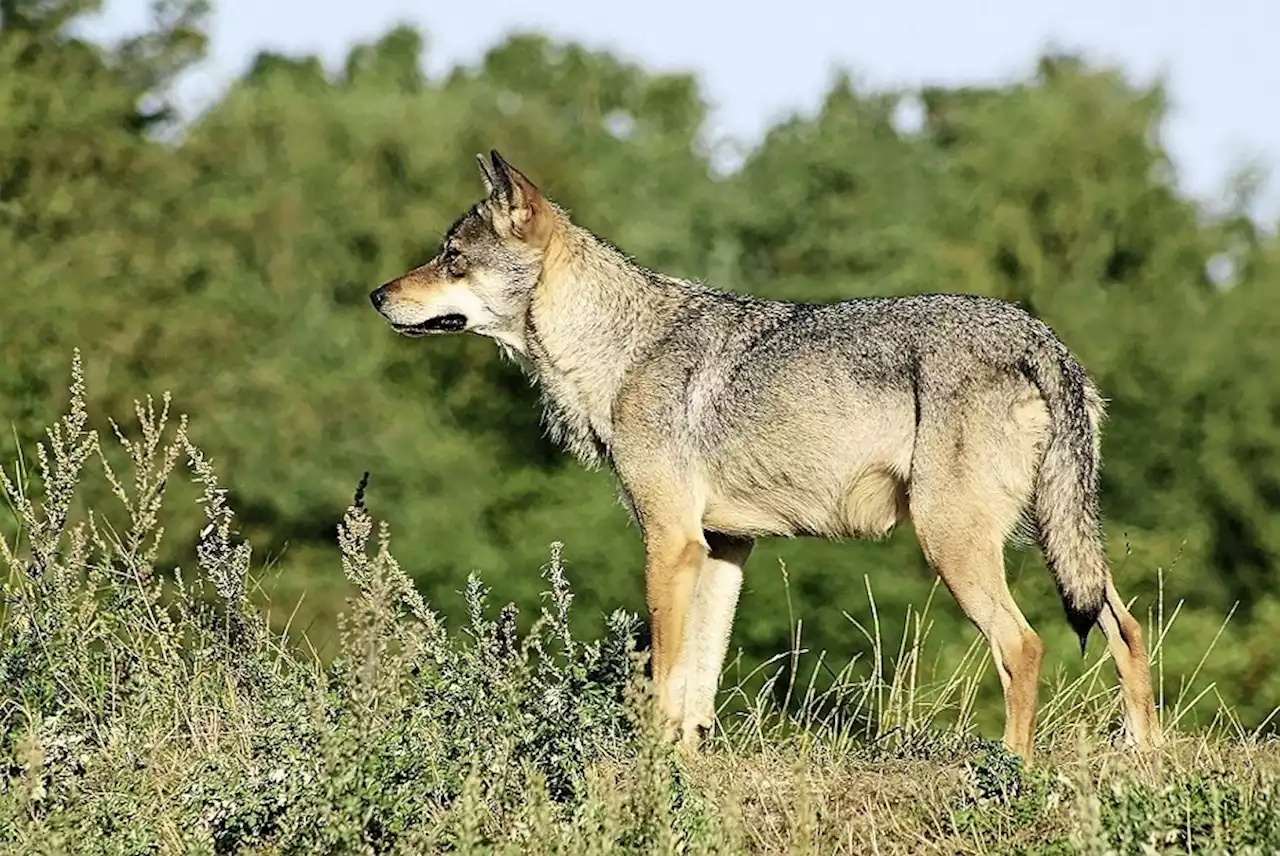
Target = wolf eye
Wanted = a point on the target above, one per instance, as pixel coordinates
(454, 262)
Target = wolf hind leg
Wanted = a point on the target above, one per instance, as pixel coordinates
(971, 476)
(1124, 639)
(971, 564)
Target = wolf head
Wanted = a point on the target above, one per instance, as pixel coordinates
(482, 279)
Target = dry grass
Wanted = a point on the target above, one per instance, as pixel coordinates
(147, 711)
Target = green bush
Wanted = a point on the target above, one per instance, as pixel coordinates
(138, 697)
(150, 709)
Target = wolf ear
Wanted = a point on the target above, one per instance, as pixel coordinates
(530, 214)
(485, 175)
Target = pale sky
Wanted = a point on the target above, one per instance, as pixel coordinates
(756, 67)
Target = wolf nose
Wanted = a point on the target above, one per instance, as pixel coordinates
(378, 296)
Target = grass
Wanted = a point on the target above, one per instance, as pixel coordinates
(161, 712)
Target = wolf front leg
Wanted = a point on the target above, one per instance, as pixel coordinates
(674, 557)
(707, 630)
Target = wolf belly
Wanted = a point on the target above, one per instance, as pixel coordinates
(868, 505)
(832, 472)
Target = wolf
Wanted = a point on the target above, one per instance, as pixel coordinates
(726, 418)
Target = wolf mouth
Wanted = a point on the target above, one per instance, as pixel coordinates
(451, 323)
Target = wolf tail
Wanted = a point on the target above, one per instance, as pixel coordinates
(1066, 487)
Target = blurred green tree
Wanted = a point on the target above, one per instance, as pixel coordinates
(228, 256)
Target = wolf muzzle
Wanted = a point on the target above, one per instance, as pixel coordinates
(451, 322)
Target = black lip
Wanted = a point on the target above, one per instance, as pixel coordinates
(451, 323)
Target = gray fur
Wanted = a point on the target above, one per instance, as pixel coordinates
(727, 418)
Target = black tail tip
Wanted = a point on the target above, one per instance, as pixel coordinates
(1082, 621)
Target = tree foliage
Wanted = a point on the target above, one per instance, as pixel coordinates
(229, 262)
